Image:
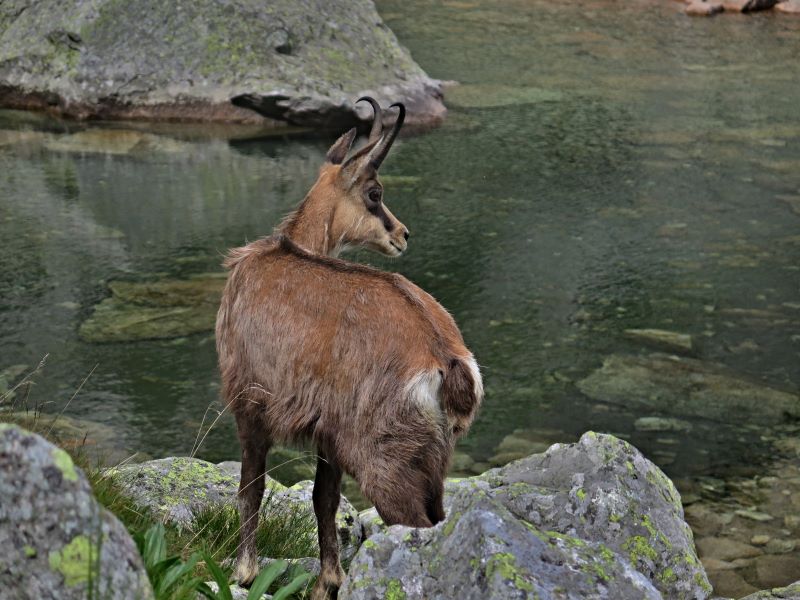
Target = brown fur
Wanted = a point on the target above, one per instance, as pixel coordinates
(313, 348)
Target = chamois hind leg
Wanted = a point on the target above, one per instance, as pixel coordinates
(255, 445)
(327, 484)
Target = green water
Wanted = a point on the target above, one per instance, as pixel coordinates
(603, 166)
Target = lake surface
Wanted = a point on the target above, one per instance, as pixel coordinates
(604, 166)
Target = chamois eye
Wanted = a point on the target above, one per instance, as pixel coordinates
(375, 195)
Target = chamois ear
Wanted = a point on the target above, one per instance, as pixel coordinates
(338, 152)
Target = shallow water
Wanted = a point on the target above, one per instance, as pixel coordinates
(603, 167)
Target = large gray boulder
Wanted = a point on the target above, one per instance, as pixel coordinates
(301, 61)
(597, 518)
(175, 489)
(483, 551)
(688, 387)
(57, 541)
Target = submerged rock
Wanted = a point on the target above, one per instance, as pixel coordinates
(524, 442)
(687, 387)
(57, 542)
(300, 61)
(155, 310)
(668, 340)
(661, 424)
(592, 519)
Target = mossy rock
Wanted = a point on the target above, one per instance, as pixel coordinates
(57, 541)
(483, 551)
(301, 61)
(600, 493)
(176, 489)
(155, 310)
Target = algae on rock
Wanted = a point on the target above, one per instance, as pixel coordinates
(155, 310)
(688, 387)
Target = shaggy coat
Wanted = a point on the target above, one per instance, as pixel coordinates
(362, 363)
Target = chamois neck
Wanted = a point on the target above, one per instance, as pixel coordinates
(310, 227)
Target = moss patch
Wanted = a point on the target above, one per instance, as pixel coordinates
(394, 591)
(504, 564)
(639, 549)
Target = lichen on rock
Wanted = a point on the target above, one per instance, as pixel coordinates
(301, 61)
(58, 542)
(176, 489)
(483, 551)
(602, 507)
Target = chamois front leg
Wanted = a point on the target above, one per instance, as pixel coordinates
(255, 446)
(327, 484)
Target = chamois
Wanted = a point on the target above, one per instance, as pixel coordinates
(362, 363)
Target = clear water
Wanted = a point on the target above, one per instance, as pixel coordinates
(603, 166)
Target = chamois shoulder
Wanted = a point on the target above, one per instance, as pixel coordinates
(259, 247)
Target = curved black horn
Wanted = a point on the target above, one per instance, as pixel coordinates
(382, 149)
(377, 118)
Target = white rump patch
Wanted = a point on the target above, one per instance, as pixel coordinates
(475, 371)
(423, 390)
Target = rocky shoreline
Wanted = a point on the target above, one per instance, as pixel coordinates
(298, 63)
(707, 8)
(589, 519)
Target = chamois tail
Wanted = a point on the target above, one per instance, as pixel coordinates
(462, 391)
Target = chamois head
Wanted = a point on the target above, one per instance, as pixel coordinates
(357, 216)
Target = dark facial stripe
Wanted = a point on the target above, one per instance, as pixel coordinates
(377, 210)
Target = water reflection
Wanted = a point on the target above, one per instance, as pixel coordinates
(601, 170)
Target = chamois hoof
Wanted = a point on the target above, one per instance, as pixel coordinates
(246, 571)
(324, 592)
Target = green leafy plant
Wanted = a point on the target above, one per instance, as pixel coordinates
(171, 578)
(175, 579)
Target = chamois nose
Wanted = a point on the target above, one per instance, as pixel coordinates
(406, 234)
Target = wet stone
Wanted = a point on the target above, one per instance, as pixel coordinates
(688, 387)
(760, 540)
(754, 515)
(661, 424)
(725, 549)
(155, 310)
